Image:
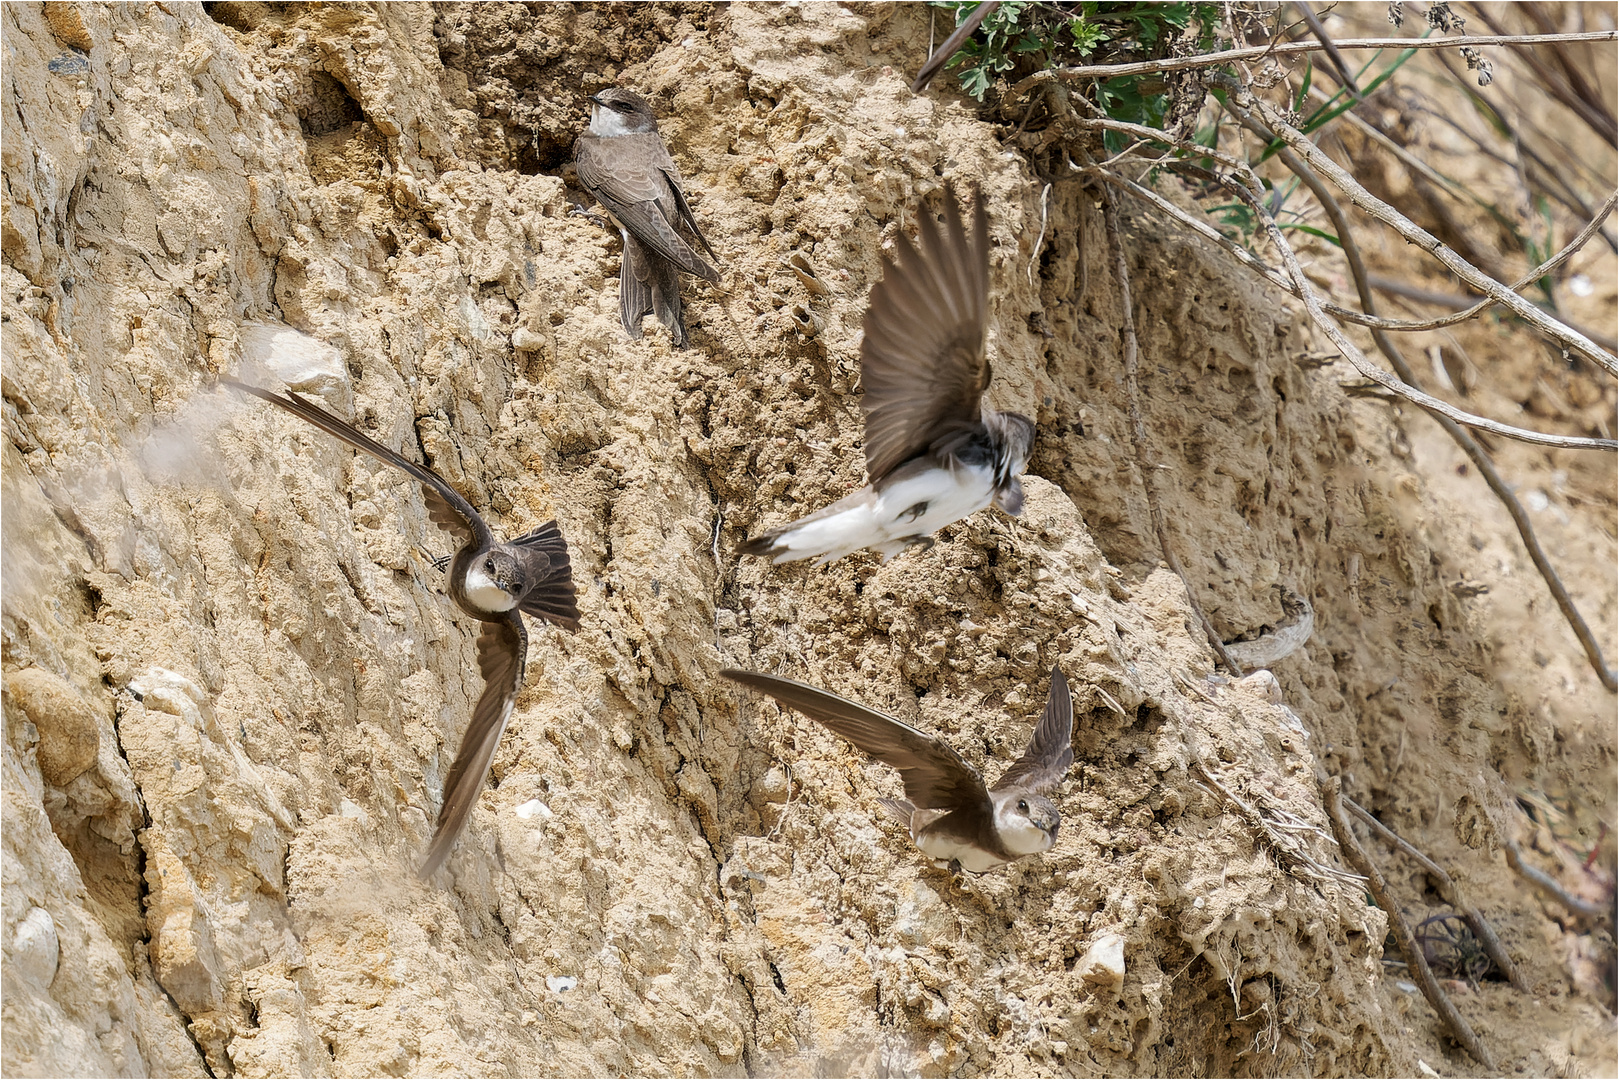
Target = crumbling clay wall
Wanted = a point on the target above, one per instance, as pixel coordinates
(233, 686)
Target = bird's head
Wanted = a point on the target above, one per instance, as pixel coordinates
(505, 571)
(1014, 435)
(1027, 823)
(617, 111)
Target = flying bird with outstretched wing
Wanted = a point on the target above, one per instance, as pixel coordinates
(489, 579)
(934, 451)
(950, 812)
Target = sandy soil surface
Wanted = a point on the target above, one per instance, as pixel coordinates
(233, 685)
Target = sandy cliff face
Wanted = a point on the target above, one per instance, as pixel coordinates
(233, 686)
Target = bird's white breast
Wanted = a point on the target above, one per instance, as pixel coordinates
(950, 495)
(606, 123)
(973, 859)
(1020, 835)
(485, 594)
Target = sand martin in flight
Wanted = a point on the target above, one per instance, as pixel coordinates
(949, 811)
(622, 162)
(934, 452)
(489, 579)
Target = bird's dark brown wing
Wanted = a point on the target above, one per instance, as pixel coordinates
(445, 506)
(936, 777)
(1051, 747)
(677, 187)
(624, 175)
(502, 648)
(922, 362)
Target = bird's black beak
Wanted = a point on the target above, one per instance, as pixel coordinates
(596, 99)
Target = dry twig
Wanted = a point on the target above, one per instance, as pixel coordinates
(1280, 280)
(1549, 887)
(1257, 52)
(1452, 895)
(1409, 230)
(1568, 85)
(1336, 58)
(1407, 291)
(1273, 829)
(941, 56)
(1332, 799)
(1312, 303)
(1469, 445)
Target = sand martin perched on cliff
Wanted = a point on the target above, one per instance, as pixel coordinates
(934, 452)
(623, 163)
(492, 581)
(949, 811)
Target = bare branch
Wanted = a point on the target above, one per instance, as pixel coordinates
(1469, 446)
(1256, 52)
(1274, 828)
(1147, 134)
(1312, 302)
(1403, 225)
(951, 45)
(1543, 881)
(1313, 21)
(1453, 896)
(1332, 799)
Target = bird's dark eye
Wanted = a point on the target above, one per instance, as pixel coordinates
(489, 565)
(1023, 805)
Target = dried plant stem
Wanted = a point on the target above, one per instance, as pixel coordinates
(1313, 21)
(1453, 896)
(1543, 882)
(1576, 95)
(1274, 832)
(1145, 459)
(1412, 232)
(1332, 799)
(1469, 445)
(941, 56)
(1456, 301)
(1146, 134)
(1275, 277)
(1258, 52)
(1312, 303)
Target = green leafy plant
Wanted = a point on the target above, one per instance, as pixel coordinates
(1025, 35)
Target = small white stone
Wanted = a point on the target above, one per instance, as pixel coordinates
(349, 810)
(166, 691)
(1425, 1069)
(35, 950)
(1103, 962)
(560, 984)
(534, 808)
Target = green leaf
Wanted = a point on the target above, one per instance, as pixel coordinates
(1312, 230)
